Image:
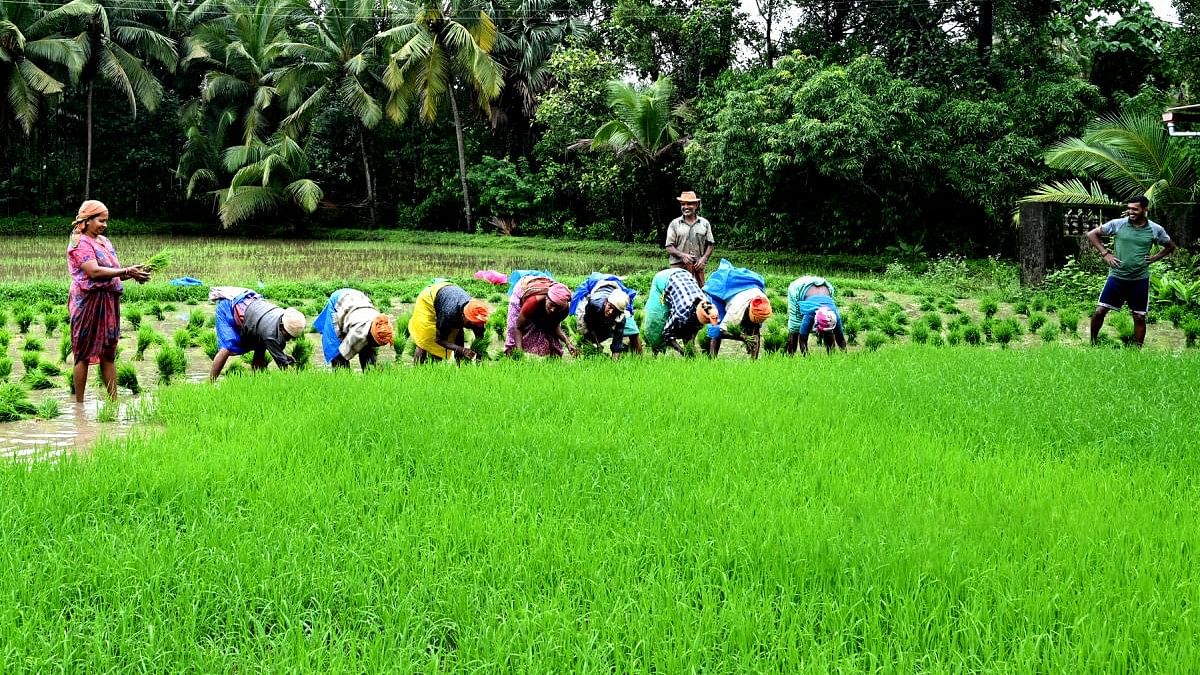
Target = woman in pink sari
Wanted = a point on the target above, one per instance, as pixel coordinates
(94, 302)
(535, 314)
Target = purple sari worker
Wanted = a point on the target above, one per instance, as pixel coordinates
(95, 296)
(535, 314)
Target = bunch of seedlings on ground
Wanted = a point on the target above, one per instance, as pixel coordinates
(127, 378)
(24, 319)
(927, 305)
(1036, 321)
(32, 344)
(48, 409)
(955, 336)
(49, 369)
(589, 350)
(775, 338)
(5, 338)
(1122, 324)
(302, 352)
(933, 320)
(195, 322)
(37, 380)
(145, 338)
(481, 345)
(208, 342)
(1021, 307)
(1191, 330)
(51, 321)
(156, 310)
(14, 404)
(972, 335)
(1068, 320)
(64, 347)
(1004, 332)
(30, 360)
(920, 333)
(936, 340)
(6, 367)
(3, 317)
(1049, 333)
(874, 341)
(1175, 314)
(108, 411)
(989, 307)
(171, 362)
(182, 338)
(134, 316)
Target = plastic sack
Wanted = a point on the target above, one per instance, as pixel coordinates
(491, 276)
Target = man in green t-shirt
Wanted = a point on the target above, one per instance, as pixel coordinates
(1129, 277)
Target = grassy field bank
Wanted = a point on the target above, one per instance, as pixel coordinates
(910, 509)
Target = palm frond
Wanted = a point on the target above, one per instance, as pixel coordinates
(238, 204)
(1071, 192)
(304, 193)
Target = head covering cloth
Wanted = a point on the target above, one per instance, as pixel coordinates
(475, 313)
(87, 210)
(825, 320)
(293, 322)
(381, 330)
(619, 299)
(760, 309)
(706, 312)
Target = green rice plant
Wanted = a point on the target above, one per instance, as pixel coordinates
(1037, 304)
(30, 361)
(589, 350)
(892, 327)
(158, 262)
(49, 369)
(6, 368)
(172, 362)
(234, 368)
(878, 299)
(169, 308)
(928, 305)
(1191, 330)
(1122, 324)
(134, 316)
(516, 354)
(157, 311)
(195, 322)
(1068, 321)
(1049, 333)
(145, 338)
(24, 319)
(208, 342)
(936, 340)
(933, 320)
(1021, 306)
(639, 315)
(874, 341)
(302, 350)
(972, 335)
(1004, 332)
(48, 409)
(3, 317)
(920, 333)
(778, 305)
(1036, 321)
(989, 306)
(961, 320)
(51, 321)
(774, 342)
(108, 411)
(127, 378)
(5, 338)
(37, 380)
(1175, 314)
(183, 338)
(44, 307)
(15, 404)
(955, 336)
(32, 344)
(497, 323)
(64, 347)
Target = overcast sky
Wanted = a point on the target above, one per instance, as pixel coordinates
(1165, 10)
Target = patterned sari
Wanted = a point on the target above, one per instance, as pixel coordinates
(94, 305)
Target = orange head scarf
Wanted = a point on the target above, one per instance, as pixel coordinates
(476, 313)
(381, 330)
(760, 309)
(706, 312)
(87, 210)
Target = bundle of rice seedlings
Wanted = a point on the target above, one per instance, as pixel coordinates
(145, 337)
(51, 321)
(108, 412)
(14, 404)
(874, 341)
(127, 378)
(481, 345)
(5, 338)
(182, 338)
(48, 409)
(32, 344)
(172, 362)
(134, 316)
(208, 342)
(158, 262)
(49, 369)
(6, 366)
(64, 348)
(302, 352)
(589, 350)
(37, 380)
(24, 319)
(195, 321)
(30, 361)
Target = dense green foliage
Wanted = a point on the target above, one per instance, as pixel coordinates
(804, 125)
(943, 520)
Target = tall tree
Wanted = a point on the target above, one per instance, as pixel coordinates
(436, 45)
(529, 34)
(31, 50)
(334, 58)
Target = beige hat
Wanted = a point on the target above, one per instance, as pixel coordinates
(688, 196)
(293, 322)
(619, 299)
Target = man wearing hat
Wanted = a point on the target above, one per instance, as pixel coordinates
(690, 238)
(811, 306)
(603, 308)
(246, 322)
(350, 326)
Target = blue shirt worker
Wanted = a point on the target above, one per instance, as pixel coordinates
(811, 306)
(350, 326)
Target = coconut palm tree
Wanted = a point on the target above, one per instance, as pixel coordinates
(266, 176)
(111, 37)
(438, 44)
(31, 50)
(645, 128)
(529, 33)
(334, 56)
(1129, 154)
